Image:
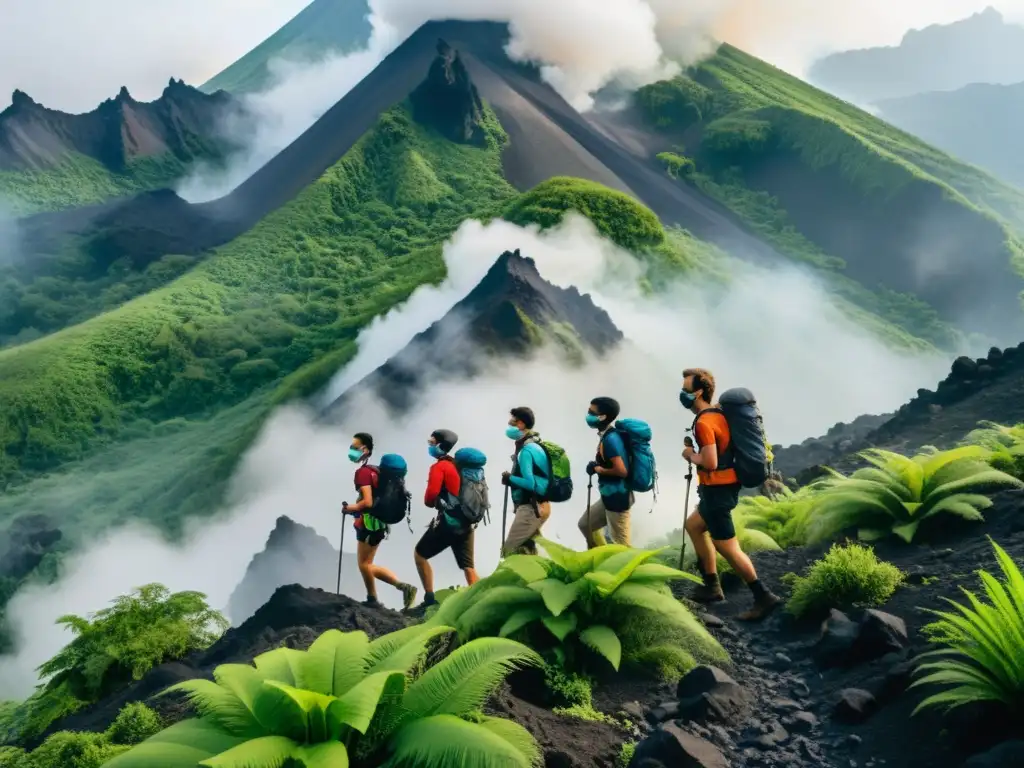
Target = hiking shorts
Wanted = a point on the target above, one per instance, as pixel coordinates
(716, 505)
(440, 537)
(373, 538)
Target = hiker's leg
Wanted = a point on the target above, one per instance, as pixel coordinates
(619, 523)
(463, 549)
(734, 555)
(592, 520)
(431, 544)
(364, 557)
(525, 524)
(372, 539)
(698, 530)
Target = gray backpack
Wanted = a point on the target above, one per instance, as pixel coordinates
(473, 503)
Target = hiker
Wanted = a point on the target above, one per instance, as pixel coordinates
(614, 497)
(443, 485)
(718, 492)
(528, 481)
(370, 531)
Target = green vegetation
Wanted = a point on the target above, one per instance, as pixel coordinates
(616, 215)
(295, 288)
(750, 539)
(119, 644)
(81, 180)
(784, 518)
(897, 494)
(586, 610)
(350, 701)
(979, 658)
(763, 141)
(676, 166)
(846, 577)
(1005, 443)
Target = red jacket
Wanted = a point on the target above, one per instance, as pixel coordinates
(443, 474)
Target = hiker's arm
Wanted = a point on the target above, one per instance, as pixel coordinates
(707, 457)
(365, 500)
(527, 481)
(617, 469)
(434, 482)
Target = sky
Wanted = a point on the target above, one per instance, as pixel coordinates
(72, 55)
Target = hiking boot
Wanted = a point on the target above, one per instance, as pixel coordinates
(408, 595)
(428, 600)
(763, 605)
(372, 602)
(708, 592)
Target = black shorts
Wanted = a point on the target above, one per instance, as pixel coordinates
(716, 505)
(441, 536)
(373, 538)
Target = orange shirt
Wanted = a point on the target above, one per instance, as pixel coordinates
(713, 428)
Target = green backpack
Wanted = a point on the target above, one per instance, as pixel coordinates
(560, 482)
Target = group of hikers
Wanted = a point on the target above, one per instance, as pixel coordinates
(730, 453)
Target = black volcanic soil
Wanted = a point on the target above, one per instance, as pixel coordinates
(33, 137)
(494, 316)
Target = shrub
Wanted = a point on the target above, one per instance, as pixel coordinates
(784, 518)
(677, 166)
(349, 701)
(897, 494)
(580, 607)
(134, 724)
(66, 749)
(1005, 443)
(982, 653)
(616, 215)
(142, 629)
(674, 104)
(847, 576)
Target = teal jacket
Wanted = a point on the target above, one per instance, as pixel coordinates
(531, 476)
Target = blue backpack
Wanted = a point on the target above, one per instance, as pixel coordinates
(473, 502)
(391, 501)
(642, 473)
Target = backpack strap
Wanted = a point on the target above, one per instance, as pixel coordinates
(725, 458)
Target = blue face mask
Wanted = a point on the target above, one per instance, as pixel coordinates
(687, 398)
(593, 420)
(354, 455)
(514, 433)
(435, 451)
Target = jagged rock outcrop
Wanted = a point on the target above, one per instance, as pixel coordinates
(183, 121)
(448, 100)
(511, 312)
(25, 544)
(295, 554)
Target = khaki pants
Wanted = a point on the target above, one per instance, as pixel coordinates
(525, 525)
(595, 518)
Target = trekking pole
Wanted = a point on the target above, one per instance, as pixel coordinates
(686, 512)
(504, 522)
(341, 550)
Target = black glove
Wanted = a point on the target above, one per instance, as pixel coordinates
(592, 468)
(505, 478)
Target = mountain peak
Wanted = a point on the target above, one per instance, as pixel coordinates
(510, 313)
(21, 99)
(448, 100)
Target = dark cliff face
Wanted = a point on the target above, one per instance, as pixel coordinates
(294, 554)
(509, 314)
(183, 121)
(448, 101)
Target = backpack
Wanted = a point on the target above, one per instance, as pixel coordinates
(642, 473)
(391, 501)
(560, 481)
(750, 453)
(473, 502)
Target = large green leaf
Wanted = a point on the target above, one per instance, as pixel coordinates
(527, 567)
(557, 595)
(561, 626)
(282, 711)
(221, 706)
(617, 569)
(182, 745)
(330, 754)
(604, 641)
(514, 734)
(264, 752)
(445, 741)
(493, 608)
(464, 680)
(402, 650)
(280, 664)
(334, 662)
(522, 618)
(651, 573)
(357, 707)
